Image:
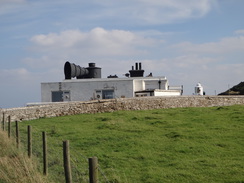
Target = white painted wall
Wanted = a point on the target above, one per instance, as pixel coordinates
(156, 84)
(148, 83)
(85, 89)
(167, 93)
(139, 85)
(46, 89)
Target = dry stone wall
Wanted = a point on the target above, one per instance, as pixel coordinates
(145, 103)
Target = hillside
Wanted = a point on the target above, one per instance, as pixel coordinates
(165, 145)
(235, 90)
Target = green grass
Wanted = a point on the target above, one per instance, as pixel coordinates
(165, 145)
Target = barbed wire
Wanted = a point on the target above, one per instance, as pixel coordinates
(103, 174)
(80, 172)
(79, 161)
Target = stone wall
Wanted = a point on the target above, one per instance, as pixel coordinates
(145, 103)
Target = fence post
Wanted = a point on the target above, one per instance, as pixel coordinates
(17, 133)
(29, 142)
(44, 139)
(3, 121)
(67, 168)
(93, 170)
(9, 126)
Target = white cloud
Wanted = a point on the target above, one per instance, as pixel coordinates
(124, 47)
(225, 45)
(42, 62)
(129, 12)
(192, 61)
(18, 78)
(7, 6)
(158, 11)
(21, 86)
(239, 32)
(97, 42)
(180, 64)
(109, 49)
(11, 1)
(18, 73)
(65, 39)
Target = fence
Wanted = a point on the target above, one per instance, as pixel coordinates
(72, 170)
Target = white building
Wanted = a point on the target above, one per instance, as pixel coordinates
(105, 88)
(199, 89)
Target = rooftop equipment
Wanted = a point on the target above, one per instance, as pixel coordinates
(138, 72)
(71, 70)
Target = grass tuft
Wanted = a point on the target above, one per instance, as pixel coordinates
(15, 166)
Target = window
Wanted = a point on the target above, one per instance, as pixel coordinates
(60, 96)
(105, 94)
(108, 94)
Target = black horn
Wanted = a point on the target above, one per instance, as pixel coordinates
(71, 70)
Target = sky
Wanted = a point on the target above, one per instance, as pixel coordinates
(188, 41)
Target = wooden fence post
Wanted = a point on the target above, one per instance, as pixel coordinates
(9, 126)
(3, 122)
(67, 167)
(44, 139)
(93, 170)
(17, 133)
(29, 142)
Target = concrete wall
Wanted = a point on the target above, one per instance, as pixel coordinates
(144, 103)
(85, 89)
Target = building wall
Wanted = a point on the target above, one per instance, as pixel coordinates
(138, 85)
(167, 93)
(84, 90)
(98, 106)
(156, 84)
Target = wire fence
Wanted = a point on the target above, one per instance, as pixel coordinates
(51, 159)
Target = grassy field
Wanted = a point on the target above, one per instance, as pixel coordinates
(167, 145)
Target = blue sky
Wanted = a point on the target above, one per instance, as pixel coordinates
(188, 41)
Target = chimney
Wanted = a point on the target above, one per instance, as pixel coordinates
(138, 72)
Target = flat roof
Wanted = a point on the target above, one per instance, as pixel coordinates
(110, 79)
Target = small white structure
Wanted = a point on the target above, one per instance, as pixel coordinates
(199, 89)
(105, 88)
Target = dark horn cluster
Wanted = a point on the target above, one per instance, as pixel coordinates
(71, 70)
